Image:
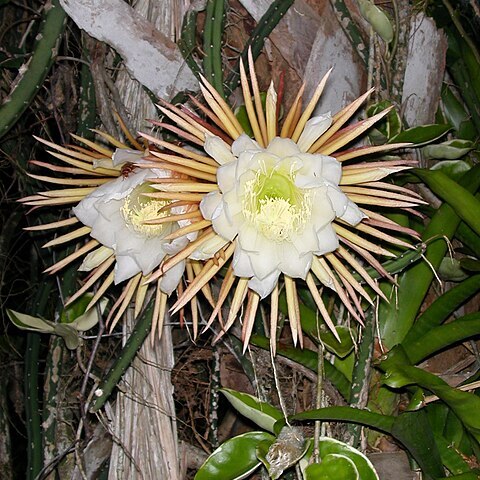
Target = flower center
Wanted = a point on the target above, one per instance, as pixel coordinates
(276, 206)
(138, 209)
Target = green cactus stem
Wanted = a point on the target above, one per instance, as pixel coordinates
(134, 342)
(32, 74)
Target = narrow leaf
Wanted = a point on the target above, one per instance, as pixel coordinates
(261, 413)
(466, 206)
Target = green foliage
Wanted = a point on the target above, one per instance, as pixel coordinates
(73, 320)
(261, 413)
(239, 456)
(463, 404)
(420, 135)
(378, 19)
(36, 69)
(234, 459)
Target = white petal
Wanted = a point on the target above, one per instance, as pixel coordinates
(327, 240)
(226, 176)
(353, 214)
(338, 200)
(209, 248)
(125, 268)
(104, 163)
(322, 210)
(108, 222)
(224, 227)
(265, 259)
(247, 238)
(344, 207)
(218, 149)
(315, 127)
(211, 205)
(294, 265)
(175, 245)
(317, 170)
(331, 169)
(264, 286)
(244, 143)
(171, 279)
(307, 241)
(87, 210)
(95, 258)
(241, 264)
(124, 155)
(283, 147)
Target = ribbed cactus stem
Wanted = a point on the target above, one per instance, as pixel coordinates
(134, 342)
(32, 73)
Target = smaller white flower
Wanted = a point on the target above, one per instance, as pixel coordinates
(117, 212)
(279, 204)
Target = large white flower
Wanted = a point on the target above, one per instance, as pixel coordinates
(279, 203)
(117, 212)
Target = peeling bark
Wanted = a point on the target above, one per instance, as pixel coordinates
(150, 56)
(424, 71)
(311, 42)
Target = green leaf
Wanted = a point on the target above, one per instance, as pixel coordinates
(453, 169)
(413, 430)
(388, 126)
(27, 322)
(242, 117)
(415, 282)
(334, 466)
(474, 475)
(234, 459)
(380, 422)
(330, 446)
(340, 349)
(309, 318)
(443, 336)
(441, 309)
(451, 150)
(404, 428)
(466, 206)
(451, 458)
(450, 270)
(70, 335)
(421, 135)
(456, 115)
(90, 318)
(377, 18)
(470, 264)
(465, 405)
(75, 309)
(261, 413)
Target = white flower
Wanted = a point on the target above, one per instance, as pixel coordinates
(279, 204)
(116, 212)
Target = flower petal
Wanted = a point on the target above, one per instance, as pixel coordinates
(209, 248)
(315, 127)
(327, 240)
(344, 208)
(124, 155)
(218, 149)
(125, 268)
(211, 205)
(241, 264)
(171, 278)
(265, 285)
(283, 147)
(244, 143)
(95, 258)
